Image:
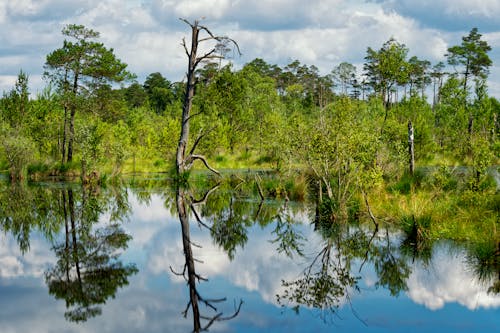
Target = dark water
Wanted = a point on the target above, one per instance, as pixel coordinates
(113, 260)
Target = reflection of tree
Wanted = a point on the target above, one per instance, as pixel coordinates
(417, 244)
(88, 271)
(185, 201)
(289, 240)
(484, 259)
(24, 209)
(326, 282)
(329, 279)
(229, 230)
(392, 270)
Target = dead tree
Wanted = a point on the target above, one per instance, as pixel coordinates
(199, 34)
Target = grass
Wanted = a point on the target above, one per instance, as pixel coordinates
(443, 199)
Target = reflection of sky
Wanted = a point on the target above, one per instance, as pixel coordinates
(440, 296)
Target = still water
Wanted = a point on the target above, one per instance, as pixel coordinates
(139, 257)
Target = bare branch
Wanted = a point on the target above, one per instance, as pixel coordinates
(208, 38)
(193, 115)
(194, 244)
(235, 44)
(185, 47)
(212, 320)
(179, 274)
(200, 59)
(200, 278)
(184, 313)
(198, 139)
(202, 27)
(188, 23)
(202, 158)
(219, 317)
(198, 218)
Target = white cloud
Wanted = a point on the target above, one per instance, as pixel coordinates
(323, 33)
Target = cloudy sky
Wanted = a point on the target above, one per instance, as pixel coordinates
(146, 34)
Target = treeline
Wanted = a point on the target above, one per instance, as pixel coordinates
(93, 117)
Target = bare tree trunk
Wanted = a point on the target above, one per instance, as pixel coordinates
(72, 120)
(411, 147)
(470, 125)
(71, 134)
(65, 134)
(188, 101)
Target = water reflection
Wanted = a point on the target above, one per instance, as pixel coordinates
(88, 270)
(184, 202)
(268, 253)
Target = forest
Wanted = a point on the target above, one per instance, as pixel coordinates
(400, 137)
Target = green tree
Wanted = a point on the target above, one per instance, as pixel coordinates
(79, 69)
(158, 90)
(386, 68)
(418, 75)
(472, 54)
(15, 104)
(88, 270)
(344, 74)
(135, 95)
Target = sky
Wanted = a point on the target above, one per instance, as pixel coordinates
(147, 34)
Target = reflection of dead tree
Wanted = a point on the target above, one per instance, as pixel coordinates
(189, 271)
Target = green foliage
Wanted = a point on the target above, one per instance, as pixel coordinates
(18, 150)
(472, 54)
(444, 178)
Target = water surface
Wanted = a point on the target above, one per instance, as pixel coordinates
(112, 260)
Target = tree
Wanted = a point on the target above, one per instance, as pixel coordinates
(79, 69)
(158, 90)
(88, 270)
(437, 75)
(15, 104)
(472, 54)
(185, 159)
(135, 95)
(418, 75)
(344, 74)
(385, 68)
(184, 201)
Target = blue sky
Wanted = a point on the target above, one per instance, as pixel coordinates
(147, 34)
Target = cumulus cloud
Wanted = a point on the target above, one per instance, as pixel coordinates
(449, 14)
(147, 35)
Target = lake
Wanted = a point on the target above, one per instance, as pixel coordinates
(144, 257)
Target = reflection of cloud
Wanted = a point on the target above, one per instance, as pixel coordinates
(147, 220)
(32, 264)
(257, 268)
(448, 281)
